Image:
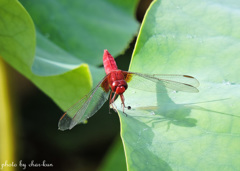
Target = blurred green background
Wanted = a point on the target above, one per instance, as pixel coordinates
(33, 117)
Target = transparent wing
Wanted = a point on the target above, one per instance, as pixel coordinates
(158, 83)
(86, 107)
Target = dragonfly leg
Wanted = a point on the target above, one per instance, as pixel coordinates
(114, 107)
(113, 98)
(122, 99)
(112, 101)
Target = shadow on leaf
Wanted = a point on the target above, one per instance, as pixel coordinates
(177, 114)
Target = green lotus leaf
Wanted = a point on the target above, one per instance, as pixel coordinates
(186, 131)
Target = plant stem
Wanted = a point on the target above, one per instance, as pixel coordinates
(6, 121)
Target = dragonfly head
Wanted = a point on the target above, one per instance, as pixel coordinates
(119, 87)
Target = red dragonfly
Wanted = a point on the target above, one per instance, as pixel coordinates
(116, 83)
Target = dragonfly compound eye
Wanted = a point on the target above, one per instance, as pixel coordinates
(124, 84)
(114, 86)
(120, 90)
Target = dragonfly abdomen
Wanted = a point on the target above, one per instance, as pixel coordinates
(109, 62)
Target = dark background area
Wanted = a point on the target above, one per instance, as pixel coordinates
(36, 117)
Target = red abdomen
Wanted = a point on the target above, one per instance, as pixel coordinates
(109, 62)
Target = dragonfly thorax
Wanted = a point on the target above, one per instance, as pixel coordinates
(119, 87)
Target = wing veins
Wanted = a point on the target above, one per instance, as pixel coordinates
(168, 82)
(91, 95)
(83, 103)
